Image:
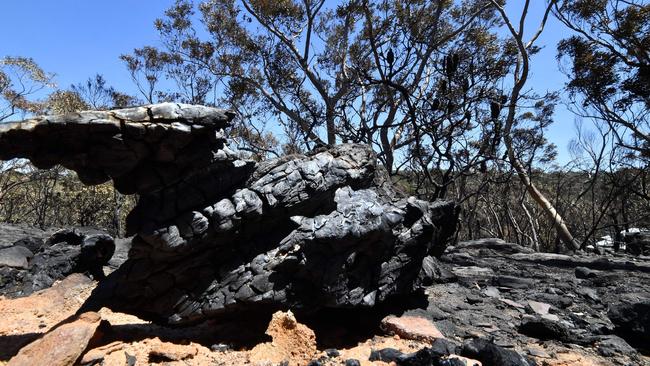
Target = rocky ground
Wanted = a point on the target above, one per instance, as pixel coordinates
(494, 303)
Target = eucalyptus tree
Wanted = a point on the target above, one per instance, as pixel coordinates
(525, 49)
(609, 66)
(21, 79)
(414, 79)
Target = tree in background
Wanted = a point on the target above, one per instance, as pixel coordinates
(420, 82)
(20, 80)
(54, 197)
(607, 61)
(434, 87)
(520, 76)
(415, 80)
(609, 66)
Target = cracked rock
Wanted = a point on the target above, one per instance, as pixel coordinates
(215, 233)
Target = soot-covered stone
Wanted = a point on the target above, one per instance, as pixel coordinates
(215, 233)
(24, 271)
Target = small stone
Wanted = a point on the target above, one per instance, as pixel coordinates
(490, 354)
(545, 329)
(589, 293)
(611, 344)
(473, 299)
(332, 352)
(585, 273)
(98, 354)
(130, 359)
(514, 304)
(386, 355)
(551, 317)
(536, 352)
(491, 292)
(475, 334)
(444, 347)
(220, 347)
(539, 308)
(411, 327)
(315, 363)
(16, 257)
(352, 362)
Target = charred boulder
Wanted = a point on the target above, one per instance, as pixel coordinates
(30, 264)
(215, 233)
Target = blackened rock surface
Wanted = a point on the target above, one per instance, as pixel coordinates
(491, 354)
(27, 236)
(142, 149)
(315, 242)
(584, 312)
(215, 233)
(638, 243)
(545, 329)
(66, 251)
(632, 319)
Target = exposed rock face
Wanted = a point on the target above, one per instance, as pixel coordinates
(606, 312)
(31, 264)
(215, 233)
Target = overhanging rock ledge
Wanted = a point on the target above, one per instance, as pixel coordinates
(216, 233)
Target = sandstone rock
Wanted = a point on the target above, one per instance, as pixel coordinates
(411, 327)
(293, 343)
(166, 351)
(41, 311)
(98, 354)
(62, 345)
(215, 233)
(118, 358)
(573, 359)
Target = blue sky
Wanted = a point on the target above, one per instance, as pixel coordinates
(75, 39)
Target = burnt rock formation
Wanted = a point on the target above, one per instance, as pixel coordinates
(216, 233)
(31, 264)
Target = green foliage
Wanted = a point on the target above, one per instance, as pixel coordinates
(20, 79)
(609, 66)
